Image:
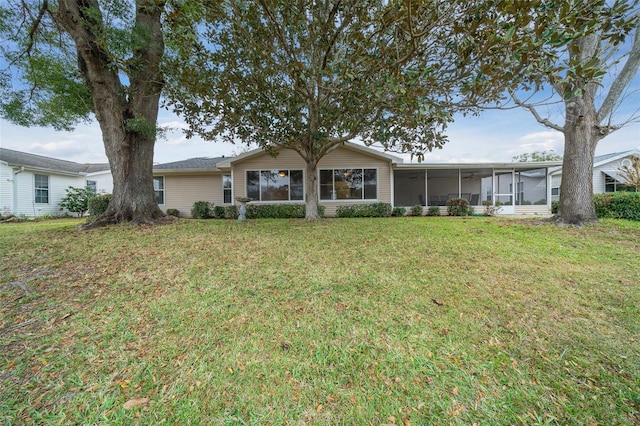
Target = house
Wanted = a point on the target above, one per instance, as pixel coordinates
(352, 173)
(33, 185)
(606, 173)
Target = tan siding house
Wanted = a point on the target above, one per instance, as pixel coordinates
(181, 191)
(341, 158)
(353, 174)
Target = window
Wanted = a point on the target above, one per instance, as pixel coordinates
(42, 189)
(349, 184)
(226, 189)
(92, 186)
(275, 185)
(555, 190)
(158, 187)
(612, 185)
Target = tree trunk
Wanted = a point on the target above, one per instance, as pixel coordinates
(581, 135)
(311, 191)
(127, 115)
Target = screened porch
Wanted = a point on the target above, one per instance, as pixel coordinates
(507, 187)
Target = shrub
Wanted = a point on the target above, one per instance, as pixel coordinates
(201, 210)
(173, 212)
(231, 212)
(279, 211)
(416, 210)
(218, 212)
(554, 206)
(433, 211)
(459, 207)
(364, 210)
(618, 205)
(490, 209)
(398, 211)
(76, 200)
(98, 204)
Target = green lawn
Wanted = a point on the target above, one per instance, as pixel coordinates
(344, 321)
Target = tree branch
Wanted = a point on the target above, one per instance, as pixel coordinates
(536, 115)
(623, 79)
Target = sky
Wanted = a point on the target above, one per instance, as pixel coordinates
(494, 136)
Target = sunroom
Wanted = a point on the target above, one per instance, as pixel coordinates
(518, 188)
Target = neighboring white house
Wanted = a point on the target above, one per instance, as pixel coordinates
(33, 185)
(606, 173)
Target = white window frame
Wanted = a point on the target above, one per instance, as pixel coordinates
(162, 190)
(43, 189)
(334, 199)
(230, 189)
(289, 200)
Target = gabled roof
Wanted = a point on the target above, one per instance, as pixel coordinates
(348, 145)
(600, 160)
(607, 158)
(198, 163)
(40, 162)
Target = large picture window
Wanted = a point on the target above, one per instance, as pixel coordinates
(349, 184)
(158, 187)
(41, 184)
(275, 185)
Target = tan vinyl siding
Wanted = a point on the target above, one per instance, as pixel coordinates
(181, 191)
(340, 158)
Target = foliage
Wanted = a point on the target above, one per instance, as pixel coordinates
(334, 322)
(218, 212)
(231, 212)
(312, 76)
(416, 210)
(555, 205)
(618, 205)
(537, 156)
(364, 210)
(173, 212)
(278, 211)
(459, 207)
(590, 67)
(76, 200)
(490, 209)
(98, 204)
(398, 211)
(433, 211)
(631, 173)
(64, 62)
(202, 210)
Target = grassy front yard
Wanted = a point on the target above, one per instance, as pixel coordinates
(361, 321)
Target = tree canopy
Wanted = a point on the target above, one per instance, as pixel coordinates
(67, 61)
(592, 63)
(311, 75)
(537, 156)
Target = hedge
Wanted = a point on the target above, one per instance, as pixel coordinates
(459, 207)
(364, 210)
(278, 211)
(98, 204)
(618, 205)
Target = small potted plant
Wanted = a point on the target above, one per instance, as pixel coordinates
(242, 216)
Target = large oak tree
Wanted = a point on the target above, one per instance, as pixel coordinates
(593, 60)
(68, 59)
(310, 75)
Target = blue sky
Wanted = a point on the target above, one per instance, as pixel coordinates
(493, 136)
